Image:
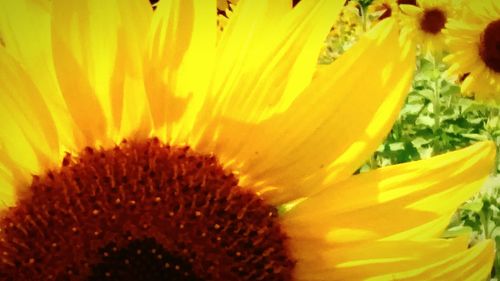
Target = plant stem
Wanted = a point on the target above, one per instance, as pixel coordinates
(363, 17)
(483, 218)
(494, 122)
(436, 103)
(494, 173)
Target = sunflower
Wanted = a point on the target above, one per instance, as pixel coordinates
(426, 21)
(473, 41)
(135, 146)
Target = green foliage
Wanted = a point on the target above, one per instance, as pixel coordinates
(432, 123)
(435, 119)
(481, 218)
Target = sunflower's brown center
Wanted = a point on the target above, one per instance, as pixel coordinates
(489, 47)
(140, 260)
(142, 211)
(433, 21)
(407, 2)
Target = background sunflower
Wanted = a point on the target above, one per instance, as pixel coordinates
(473, 43)
(425, 22)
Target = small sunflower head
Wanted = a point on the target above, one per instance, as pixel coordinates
(426, 23)
(473, 38)
(489, 46)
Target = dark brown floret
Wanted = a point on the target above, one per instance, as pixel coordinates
(154, 3)
(489, 47)
(97, 211)
(387, 11)
(433, 21)
(462, 77)
(407, 2)
(143, 260)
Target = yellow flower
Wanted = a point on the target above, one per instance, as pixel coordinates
(473, 41)
(159, 152)
(425, 23)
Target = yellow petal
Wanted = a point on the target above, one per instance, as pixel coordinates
(408, 201)
(411, 10)
(88, 39)
(280, 47)
(21, 100)
(28, 137)
(327, 131)
(128, 100)
(471, 265)
(18, 35)
(7, 191)
(18, 157)
(436, 259)
(180, 53)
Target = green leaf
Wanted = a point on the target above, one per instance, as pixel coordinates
(450, 89)
(457, 231)
(428, 94)
(477, 137)
(474, 206)
(397, 146)
(425, 120)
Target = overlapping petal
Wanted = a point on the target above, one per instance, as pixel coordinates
(92, 43)
(435, 259)
(28, 135)
(53, 99)
(328, 130)
(386, 223)
(18, 36)
(408, 201)
(179, 58)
